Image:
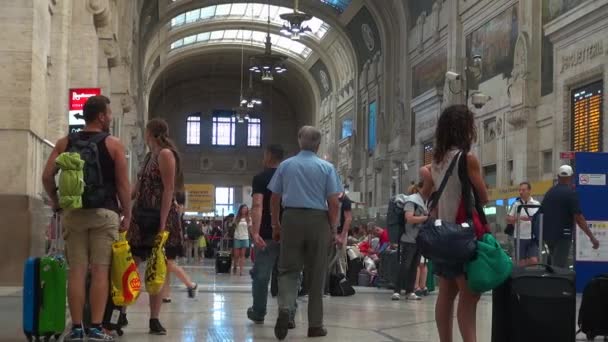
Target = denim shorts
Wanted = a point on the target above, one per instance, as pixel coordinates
(241, 243)
(527, 249)
(448, 271)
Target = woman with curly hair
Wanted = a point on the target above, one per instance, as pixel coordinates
(454, 136)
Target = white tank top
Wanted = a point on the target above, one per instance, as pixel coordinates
(241, 232)
(450, 199)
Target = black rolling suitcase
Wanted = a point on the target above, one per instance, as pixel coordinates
(593, 313)
(537, 303)
(223, 258)
(114, 317)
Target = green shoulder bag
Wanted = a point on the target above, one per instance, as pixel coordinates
(490, 268)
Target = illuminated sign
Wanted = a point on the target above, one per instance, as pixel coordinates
(587, 118)
(77, 98)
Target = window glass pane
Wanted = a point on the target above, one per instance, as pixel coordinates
(222, 195)
(193, 16)
(215, 35)
(207, 12)
(179, 20)
(193, 130)
(230, 34)
(257, 9)
(189, 40)
(347, 128)
(238, 9)
(258, 12)
(223, 131)
(203, 37)
(223, 9)
(177, 44)
(254, 133)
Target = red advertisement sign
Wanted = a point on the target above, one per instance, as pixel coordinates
(79, 96)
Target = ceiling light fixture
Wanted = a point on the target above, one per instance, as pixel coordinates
(293, 28)
(268, 64)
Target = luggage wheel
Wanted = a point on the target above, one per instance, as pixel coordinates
(119, 332)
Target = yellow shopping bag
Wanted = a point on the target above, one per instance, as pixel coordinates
(156, 269)
(125, 280)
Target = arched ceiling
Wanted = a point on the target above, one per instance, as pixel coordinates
(187, 27)
(212, 66)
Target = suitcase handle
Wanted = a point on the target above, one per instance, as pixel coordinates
(41, 296)
(527, 206)
(548, 268)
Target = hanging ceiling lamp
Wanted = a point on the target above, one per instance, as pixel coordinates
(268, 63)
(293, 28)
(241, 112)
(250, 99)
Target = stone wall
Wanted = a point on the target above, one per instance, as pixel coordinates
(61, 45)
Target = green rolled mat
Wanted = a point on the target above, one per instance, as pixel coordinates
(430, 277)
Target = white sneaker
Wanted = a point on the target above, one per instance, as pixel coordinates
(412, 296)
(396, 296)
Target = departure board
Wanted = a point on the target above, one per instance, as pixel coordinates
(428, 153)
(587, 118)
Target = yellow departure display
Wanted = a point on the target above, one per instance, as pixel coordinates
(587, 118)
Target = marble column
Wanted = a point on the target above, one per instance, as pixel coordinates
(25, 28)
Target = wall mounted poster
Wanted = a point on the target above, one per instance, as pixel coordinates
(371, 127)
(495, 41)
(430, 72)
(584, 249)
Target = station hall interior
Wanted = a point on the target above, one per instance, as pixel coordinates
(232, 77)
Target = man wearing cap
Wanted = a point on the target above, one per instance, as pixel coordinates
(561, 212)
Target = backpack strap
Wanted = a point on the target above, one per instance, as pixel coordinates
(434, 199)
(99, 137)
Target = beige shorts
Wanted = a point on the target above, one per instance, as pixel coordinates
(89, 235)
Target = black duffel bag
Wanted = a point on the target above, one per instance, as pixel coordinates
(446, 242)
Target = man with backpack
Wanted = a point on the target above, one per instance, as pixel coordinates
(415, 213)
(92, 227)
(193, 233)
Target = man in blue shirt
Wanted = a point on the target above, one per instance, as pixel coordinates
(308, 188)
(562, 213)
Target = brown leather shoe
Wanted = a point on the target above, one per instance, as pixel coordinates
(282, 326)
(317, 332)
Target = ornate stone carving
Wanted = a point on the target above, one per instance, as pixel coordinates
(489, 130)
(520, 99)
(518, 118)
(368, 37)
(420, 31)
(499, 124)
(127, 102)
(111, 51)
(345, 155)
(101, 12)
(437, 20)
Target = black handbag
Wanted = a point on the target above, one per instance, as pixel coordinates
(446, 242)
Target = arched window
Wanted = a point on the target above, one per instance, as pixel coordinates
(224, 128)
(254, 132)
(193, 130)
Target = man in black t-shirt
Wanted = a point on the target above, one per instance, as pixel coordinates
(346, 218)
(562, 212)
(266, 249)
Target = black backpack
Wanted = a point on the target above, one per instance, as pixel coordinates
(193, 232)
(94, 195)
(395, 219)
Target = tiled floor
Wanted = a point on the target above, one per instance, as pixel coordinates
(218, 314)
